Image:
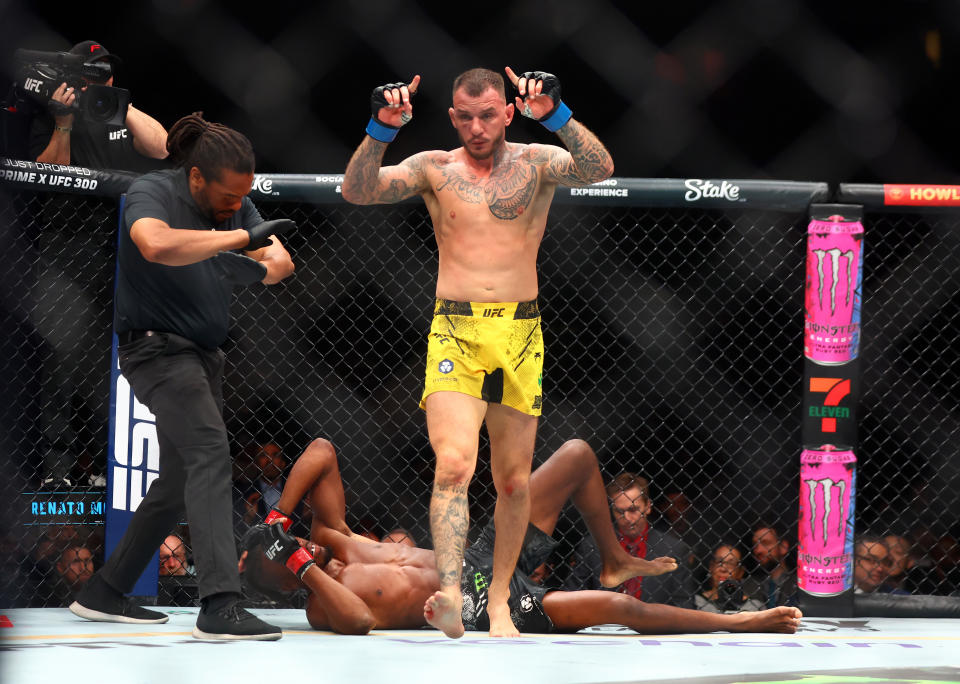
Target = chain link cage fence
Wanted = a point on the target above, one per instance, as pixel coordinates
(673, 334)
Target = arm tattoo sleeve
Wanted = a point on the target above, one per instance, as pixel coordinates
(366, 182)
(588, 161)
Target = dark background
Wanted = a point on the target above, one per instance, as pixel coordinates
(735, 88)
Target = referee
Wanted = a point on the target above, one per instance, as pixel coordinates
(176, 274)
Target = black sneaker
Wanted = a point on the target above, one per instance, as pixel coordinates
(100, 602)
(233, 622)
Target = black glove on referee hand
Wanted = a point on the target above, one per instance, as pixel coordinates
(260, 233)
(239, 269)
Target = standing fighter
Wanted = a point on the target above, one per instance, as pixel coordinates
(174, 284)
(488, 201)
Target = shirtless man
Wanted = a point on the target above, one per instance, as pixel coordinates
(357, 585)
(488, 201)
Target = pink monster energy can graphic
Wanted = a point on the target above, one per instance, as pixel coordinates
(833, 290)
(828, 483)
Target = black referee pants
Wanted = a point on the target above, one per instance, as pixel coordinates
(181, 384)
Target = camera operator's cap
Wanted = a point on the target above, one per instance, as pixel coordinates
(92, 51)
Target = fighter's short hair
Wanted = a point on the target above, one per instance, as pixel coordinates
(475, 81)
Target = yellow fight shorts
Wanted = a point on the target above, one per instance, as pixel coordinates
(492, 351)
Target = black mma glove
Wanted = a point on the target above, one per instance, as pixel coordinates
(258, 535)
(239, 269)
(285, 549)
(377, 128)
(260, 233)
(560, 114)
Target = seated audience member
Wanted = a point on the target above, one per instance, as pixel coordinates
(685, 522)
(177, 583)
(871, 566)
(173, 558)
(399, 536)
(725, 593)
(902, 562)
(630, 505)
(775, 582)
(269, 465)
(356, 585)
(74, 568)
(38, 568)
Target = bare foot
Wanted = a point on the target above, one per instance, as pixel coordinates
(631, 566)
(784, 619)
(443, 612)
(501, 624)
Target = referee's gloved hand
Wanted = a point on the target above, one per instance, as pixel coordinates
(260, 233)
(239, 269)
(284, 548)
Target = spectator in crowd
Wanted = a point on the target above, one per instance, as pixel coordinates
(75, 566)
(910, 568)
(687, 522)
(72, 570)
(177, 585)
(630, 505)
(871, 565)
(263, 495)
(399, 535)
(725, 593)
(775, 583)
(173, 558)
(901, 561)
(38, 568)
(61, 136)
(356, 586)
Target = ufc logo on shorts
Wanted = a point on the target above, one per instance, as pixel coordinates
(820, 515)
(135, 449)
(493, 313)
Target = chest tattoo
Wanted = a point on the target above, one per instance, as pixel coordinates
(507, 193)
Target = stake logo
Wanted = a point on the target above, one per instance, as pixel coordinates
(820, 516)
(836, 257)
(835, 389)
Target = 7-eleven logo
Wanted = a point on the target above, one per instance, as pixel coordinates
(835, 389)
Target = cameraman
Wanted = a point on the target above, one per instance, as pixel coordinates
(59, 136)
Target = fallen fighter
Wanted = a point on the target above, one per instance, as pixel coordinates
(357, 585)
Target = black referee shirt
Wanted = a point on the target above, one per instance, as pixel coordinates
(192, 301)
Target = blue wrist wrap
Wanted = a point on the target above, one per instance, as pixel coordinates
(559, 117)
(378, 131)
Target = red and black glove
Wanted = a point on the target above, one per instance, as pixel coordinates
(276, 515)
(283, 548)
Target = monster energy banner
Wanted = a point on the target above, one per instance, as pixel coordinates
(828, 464)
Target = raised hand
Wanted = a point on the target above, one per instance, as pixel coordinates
(391, 108)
